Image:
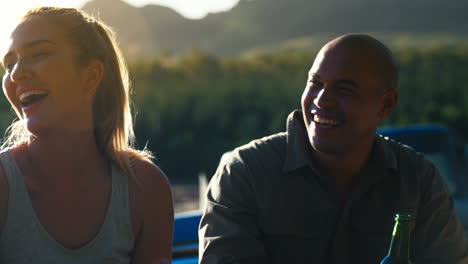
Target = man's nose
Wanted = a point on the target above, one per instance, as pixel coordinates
(325, 98)
(20, 72)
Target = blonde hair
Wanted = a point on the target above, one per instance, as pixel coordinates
(112, 118)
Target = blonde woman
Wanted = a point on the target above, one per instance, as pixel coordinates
(72, 187)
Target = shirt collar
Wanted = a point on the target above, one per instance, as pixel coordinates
(297, 152)
(384, 153)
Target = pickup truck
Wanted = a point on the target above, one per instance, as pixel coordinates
(438, 143)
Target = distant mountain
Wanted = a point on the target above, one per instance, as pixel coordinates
(133, 30)
(266, 24)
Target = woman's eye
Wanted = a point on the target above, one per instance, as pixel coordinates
(8, 66)
(39, 55)
(315, 84)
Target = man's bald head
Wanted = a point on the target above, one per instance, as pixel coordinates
(375, 51)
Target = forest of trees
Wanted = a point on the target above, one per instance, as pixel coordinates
(192, 109)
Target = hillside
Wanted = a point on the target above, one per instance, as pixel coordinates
(256, 24)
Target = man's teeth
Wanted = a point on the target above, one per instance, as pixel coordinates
(23, 96)
(325, 121)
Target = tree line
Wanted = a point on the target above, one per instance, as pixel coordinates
(191, 109)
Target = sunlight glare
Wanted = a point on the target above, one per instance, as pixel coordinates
(188, 8)
(9, 16)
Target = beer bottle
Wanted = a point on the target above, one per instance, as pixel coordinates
(400, 244)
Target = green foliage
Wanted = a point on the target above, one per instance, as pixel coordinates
(432, 88)
(192, 109)
(195, 108)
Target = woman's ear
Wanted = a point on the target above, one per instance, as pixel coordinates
(390, 100)
(94, 74)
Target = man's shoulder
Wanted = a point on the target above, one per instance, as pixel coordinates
(408, 162)
(398, 150)
(265, 143)
(259, 150)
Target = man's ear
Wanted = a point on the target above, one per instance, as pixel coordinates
(94, 75)
(390, 100)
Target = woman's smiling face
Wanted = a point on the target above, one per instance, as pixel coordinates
(43, 81)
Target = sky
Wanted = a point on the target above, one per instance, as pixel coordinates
(189, 8)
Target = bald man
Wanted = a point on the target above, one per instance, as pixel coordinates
(327, 189)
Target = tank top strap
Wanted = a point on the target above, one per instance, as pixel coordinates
(8, 166)
(120, 206)
(18, 198)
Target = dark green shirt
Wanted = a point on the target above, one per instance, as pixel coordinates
(267, 203)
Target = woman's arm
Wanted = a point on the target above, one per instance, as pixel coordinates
(152, 213)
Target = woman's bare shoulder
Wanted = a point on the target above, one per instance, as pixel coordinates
(148, 175)
(153, 212)
(150, 189)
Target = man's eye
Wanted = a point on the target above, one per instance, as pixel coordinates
(346, 89)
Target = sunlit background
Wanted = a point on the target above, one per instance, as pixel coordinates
(211, 75)
(188, 8)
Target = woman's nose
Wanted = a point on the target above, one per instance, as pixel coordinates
(20, 72)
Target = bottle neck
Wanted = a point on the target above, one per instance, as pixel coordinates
(400, 244)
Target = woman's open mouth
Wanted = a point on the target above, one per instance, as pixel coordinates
(31, 97)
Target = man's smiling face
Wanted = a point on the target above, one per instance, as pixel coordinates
(343, 100)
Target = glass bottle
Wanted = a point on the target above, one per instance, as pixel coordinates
(400, 244)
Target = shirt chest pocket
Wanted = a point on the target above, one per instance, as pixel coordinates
(371, 226)
(303, 223)
(374, 214)
(296, 206)
(291, 234)
(299, 212)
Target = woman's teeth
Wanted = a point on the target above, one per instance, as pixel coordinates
(24, 96)
(30, 97)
